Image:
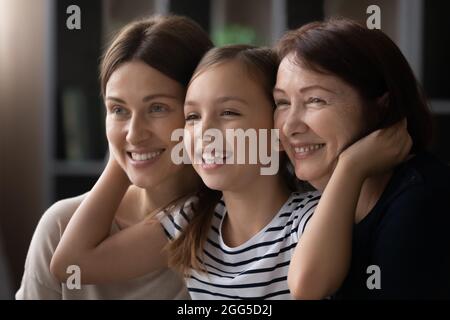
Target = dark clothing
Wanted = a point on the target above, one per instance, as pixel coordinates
(407, 235)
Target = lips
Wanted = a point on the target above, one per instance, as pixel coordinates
(215, 158)
(140, 156)
(308, 148)
(304, 150)
(212, 156)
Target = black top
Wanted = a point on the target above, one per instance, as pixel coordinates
(407, 235)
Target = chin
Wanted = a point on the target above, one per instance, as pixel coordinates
(144, 182)
(215, 184)
(140, 183)
(317, 179)
(301, 176)
(306, 174)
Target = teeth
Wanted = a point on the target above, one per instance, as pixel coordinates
(217, 158)
(145, 156)
(308, 148)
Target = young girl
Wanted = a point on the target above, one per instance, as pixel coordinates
(239, 247)
(144, 93)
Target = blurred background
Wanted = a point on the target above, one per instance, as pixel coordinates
(52, 117)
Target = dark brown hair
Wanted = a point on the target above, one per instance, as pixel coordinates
(171, 44)
(261, 65)
(371, 63)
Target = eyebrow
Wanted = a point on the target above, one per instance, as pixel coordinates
(219, 100)
(316, 86)
(277, 90)
(146, 98)
(231, 98)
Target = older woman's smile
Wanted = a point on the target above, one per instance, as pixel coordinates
(305, 150)
(318, 116)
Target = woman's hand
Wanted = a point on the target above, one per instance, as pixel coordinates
(379, 151)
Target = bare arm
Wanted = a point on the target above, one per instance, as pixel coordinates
(87, 243)
(322, 257)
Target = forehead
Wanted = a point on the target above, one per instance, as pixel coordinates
(137, 76)
(223, 71)
(292, 73)
(231, 77)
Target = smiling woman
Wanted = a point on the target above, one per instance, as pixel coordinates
(337, 82)
(144, 74)
(143, 108)
(320, 117)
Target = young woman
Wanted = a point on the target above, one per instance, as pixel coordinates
(144, 74)
(337, 81)
(237, 247)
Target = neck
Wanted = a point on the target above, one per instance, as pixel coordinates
(371, 191)
(157, 197)
(139, 203)
(251, 208)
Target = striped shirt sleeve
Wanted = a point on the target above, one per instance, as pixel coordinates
(174, 221)
(304, 211)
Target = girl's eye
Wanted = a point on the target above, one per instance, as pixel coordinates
(315, 101)
(192, 117)
(281, 103)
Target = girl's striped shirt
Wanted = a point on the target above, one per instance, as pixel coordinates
(256, 269)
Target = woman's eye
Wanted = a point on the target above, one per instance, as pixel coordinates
(119, 111)
(316, 101)
(157, 108)
(230, 113)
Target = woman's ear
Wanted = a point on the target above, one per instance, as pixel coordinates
(382, 104)
(383, 101)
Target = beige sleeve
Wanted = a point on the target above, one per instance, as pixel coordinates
(37, 280)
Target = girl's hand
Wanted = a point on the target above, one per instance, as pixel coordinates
(379, 151)
(113, 168)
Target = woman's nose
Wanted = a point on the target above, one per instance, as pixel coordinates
(294, 122)
(138, 131)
